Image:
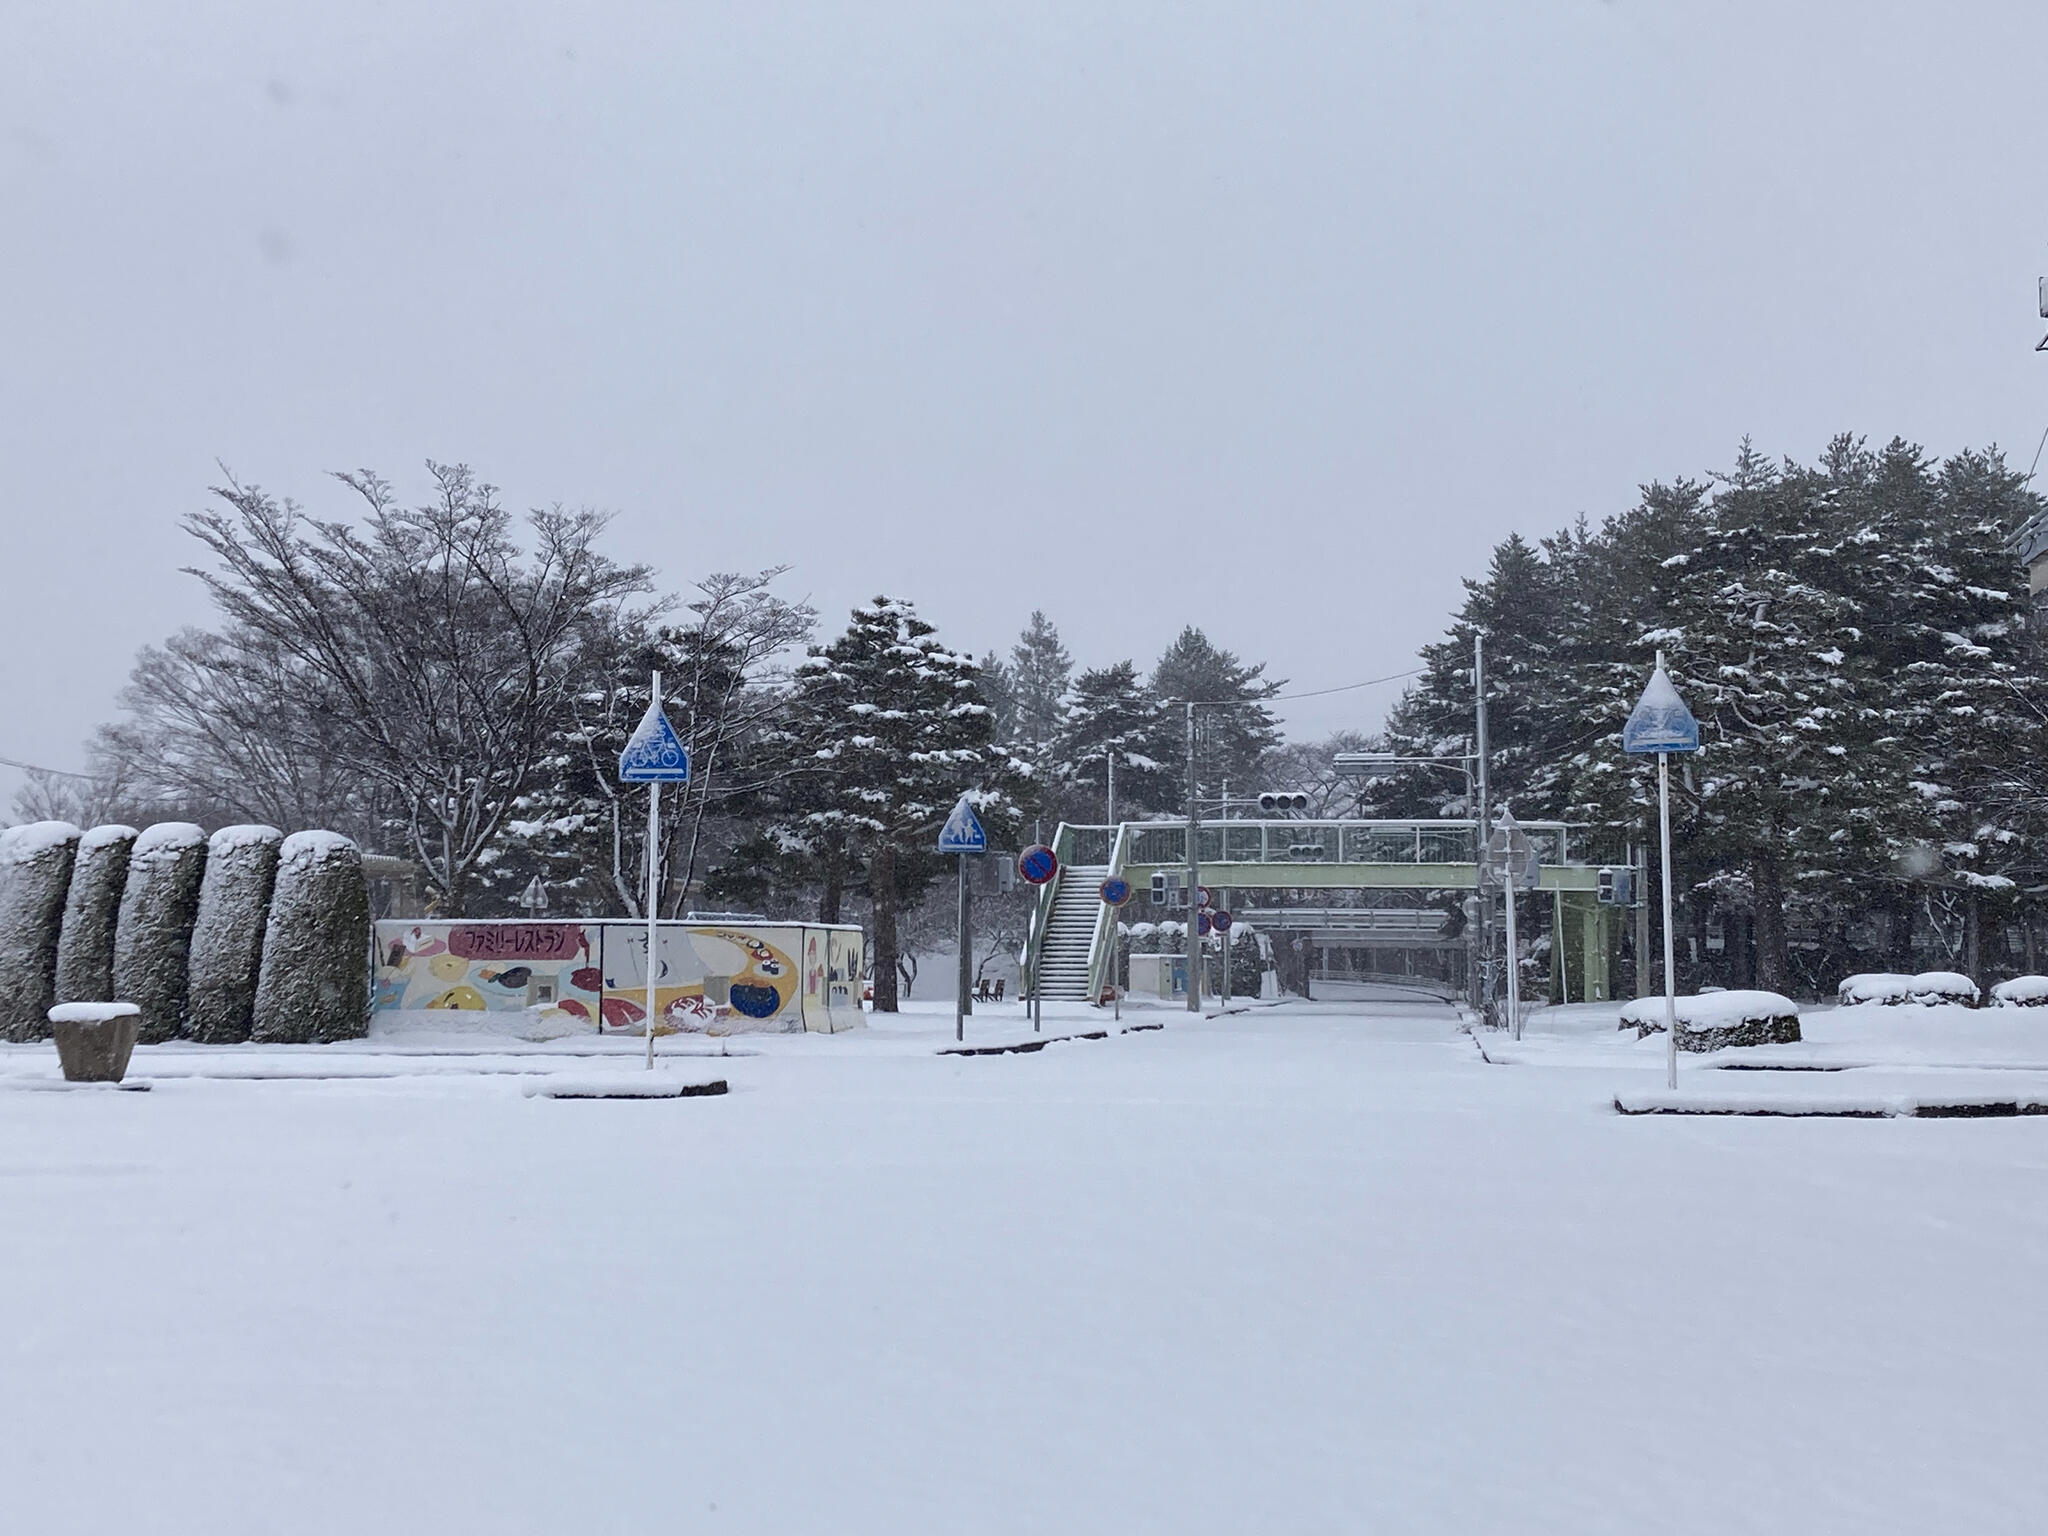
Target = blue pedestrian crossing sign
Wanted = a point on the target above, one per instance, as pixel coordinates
(1660, 722)
(654, 754)
(963, 832)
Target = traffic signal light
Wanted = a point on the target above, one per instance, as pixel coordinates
(1617, 887)
(1274, 801)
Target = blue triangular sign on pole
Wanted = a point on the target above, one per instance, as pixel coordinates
(654, 754)
(963, 832)
(1660, 722)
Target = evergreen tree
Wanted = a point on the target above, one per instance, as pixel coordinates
(36, 860)
(85, 950)
(153, 935)
(227, 933)
(1233, 733)
(886, 730)
(313, 985)
(1111, 715)
(1038, 678)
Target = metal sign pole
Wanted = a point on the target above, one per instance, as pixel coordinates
(1514, 962)
(653, 866)
(961, 1003)
(1661, 723)
(1193, 945)
(1670, 979)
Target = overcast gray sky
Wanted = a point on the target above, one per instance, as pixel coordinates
(1270, 318)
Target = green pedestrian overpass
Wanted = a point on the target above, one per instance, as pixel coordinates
(1285, 876)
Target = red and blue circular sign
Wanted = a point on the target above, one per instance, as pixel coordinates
(1116, 891)
(1038, 864)
(1203, 924)
(1221, 922)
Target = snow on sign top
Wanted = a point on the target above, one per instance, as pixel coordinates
(963, 832)
(1660, 722)
(653, 753)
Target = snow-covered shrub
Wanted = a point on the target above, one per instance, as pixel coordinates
(92, 909)
(1718, 1019)
(1876, 987)
(154, 933)
(314, 980)
(1935, 987)
(2021, 992)
(227, 935)
(35, 875)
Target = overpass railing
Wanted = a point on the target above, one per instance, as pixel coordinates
(1322, 842)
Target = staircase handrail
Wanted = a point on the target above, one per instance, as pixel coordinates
(1102, 947)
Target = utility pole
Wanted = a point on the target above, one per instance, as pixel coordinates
(1109, 791)
(1194, 937)
(1640, 888)
(1482, 827)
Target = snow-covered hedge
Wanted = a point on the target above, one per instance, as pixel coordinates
(2021, 992)
(1933, 987)
(1892, 990)
(1714, 1020)
(154, 934)
(1876, 987)
(314, 981)
(35, 876)
(227, 935)
(92, 911)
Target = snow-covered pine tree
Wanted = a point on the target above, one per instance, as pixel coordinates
(1520, 608)
(314, 981)
(887, 731)
(92, 913)
(1112, 714)
(153, 935)
(1234, 734)
(35, 874)
(227, 934)
(1953, 671)
(1759, 654)
(1039, 676)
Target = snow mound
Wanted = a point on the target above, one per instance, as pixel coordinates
(166, 837)
(1931, 987)
(1875, 987)
(1715, 1020)
(2021, 992)
(92, 1013)
(250, 834)
(312, 847)
(18, 845)
(101, 837)
(1893, 990)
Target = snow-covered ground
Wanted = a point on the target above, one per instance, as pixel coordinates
(1305, 1268)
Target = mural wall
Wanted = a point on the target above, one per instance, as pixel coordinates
(714, 978)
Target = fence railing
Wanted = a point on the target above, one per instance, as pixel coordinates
(1334, 842)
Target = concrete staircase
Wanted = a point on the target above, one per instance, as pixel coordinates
(1063, 954)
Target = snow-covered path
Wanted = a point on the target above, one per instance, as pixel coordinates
(1313, 1268)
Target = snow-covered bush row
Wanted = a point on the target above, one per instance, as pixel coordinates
(1928, 988)
(1875, 987)
(154, 935)
(2021, 992)
(1714, 1020)
(92, 909)
(35, 876)
(227, 934)
(313, 983)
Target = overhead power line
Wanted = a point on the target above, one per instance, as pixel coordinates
(62, 773)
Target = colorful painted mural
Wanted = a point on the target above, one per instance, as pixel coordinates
(713, 978)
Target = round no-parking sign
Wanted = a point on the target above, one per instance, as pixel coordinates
(1038, 864)
(1116, 891)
